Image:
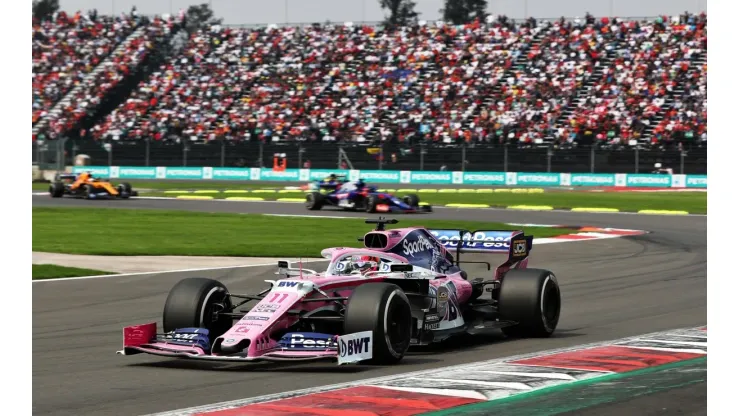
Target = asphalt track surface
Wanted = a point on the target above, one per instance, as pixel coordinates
(611, 289)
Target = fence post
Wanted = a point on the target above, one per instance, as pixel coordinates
(683, 155)
(382, 156)
(262, 149)
(464, 158)
(637, 159)
(506, 157)
(184, 153)
(223, 152)
(74, 150)
(146, 151)
(109, 148)
(422, 152)
(300, 155)
(60, 154)
(593, 158)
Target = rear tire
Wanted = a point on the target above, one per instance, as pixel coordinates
(56, 190)
(192, 302)
(371, 202)
(385, 310)
(530, 297)
(314, 201)
(124, 190)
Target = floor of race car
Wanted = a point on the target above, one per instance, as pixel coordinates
(611, 288)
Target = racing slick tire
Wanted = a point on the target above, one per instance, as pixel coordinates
(193, 303)
(412, 200)
(530, 297)
(87, 191)
(314, 201)
(371, 203)
(384, 309)
(124, 189)
(56, 190)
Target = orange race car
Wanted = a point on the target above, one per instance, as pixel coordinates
(85, 185)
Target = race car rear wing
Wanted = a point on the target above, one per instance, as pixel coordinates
(514, 243)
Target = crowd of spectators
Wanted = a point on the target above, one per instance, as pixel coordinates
(67, 48)
(651, 62)
(495, 81)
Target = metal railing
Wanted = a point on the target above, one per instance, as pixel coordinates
(386, 156)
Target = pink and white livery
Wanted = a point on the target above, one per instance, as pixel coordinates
(404, 288)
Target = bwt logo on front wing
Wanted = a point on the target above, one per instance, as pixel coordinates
(355, 347)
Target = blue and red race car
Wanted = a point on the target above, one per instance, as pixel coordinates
(339, 192)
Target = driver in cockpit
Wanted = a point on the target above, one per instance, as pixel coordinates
(360, 265)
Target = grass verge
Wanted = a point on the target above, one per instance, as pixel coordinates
(157, 232)
(693, 202)
(52, 271)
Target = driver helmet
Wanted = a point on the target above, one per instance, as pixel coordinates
(333, 177)
(367, 263)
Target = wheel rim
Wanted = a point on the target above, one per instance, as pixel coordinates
(309, 200)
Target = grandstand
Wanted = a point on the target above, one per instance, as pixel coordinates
(608, 83)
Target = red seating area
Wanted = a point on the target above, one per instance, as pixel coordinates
(532, 83)
(120, 64)
(652, 61)
(66, 49)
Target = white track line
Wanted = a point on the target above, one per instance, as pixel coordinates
(108, 276)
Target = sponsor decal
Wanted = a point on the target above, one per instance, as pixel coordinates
(443, 297)
(242, 329)
(182, 336)
(410, 248)
(287, 283)
(478, 240)
(355, 347)
(308, 341)
(257, 318)
(266, 308)
(430, 327)
(431, 318)
(519, 248)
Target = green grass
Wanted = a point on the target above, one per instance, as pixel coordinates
(158, 232)
(693, 202)
(52, 271)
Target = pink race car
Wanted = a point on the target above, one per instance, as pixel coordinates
(404, 288)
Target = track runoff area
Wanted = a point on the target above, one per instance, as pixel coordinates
(512, 381)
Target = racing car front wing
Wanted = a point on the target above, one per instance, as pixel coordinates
(140, 339)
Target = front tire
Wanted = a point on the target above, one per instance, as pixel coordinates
(412, 200)
(384, 309)
(314, 201)
(87, 191)
(530, 297)
(194, 303)
(371, 202)
(56, 190)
